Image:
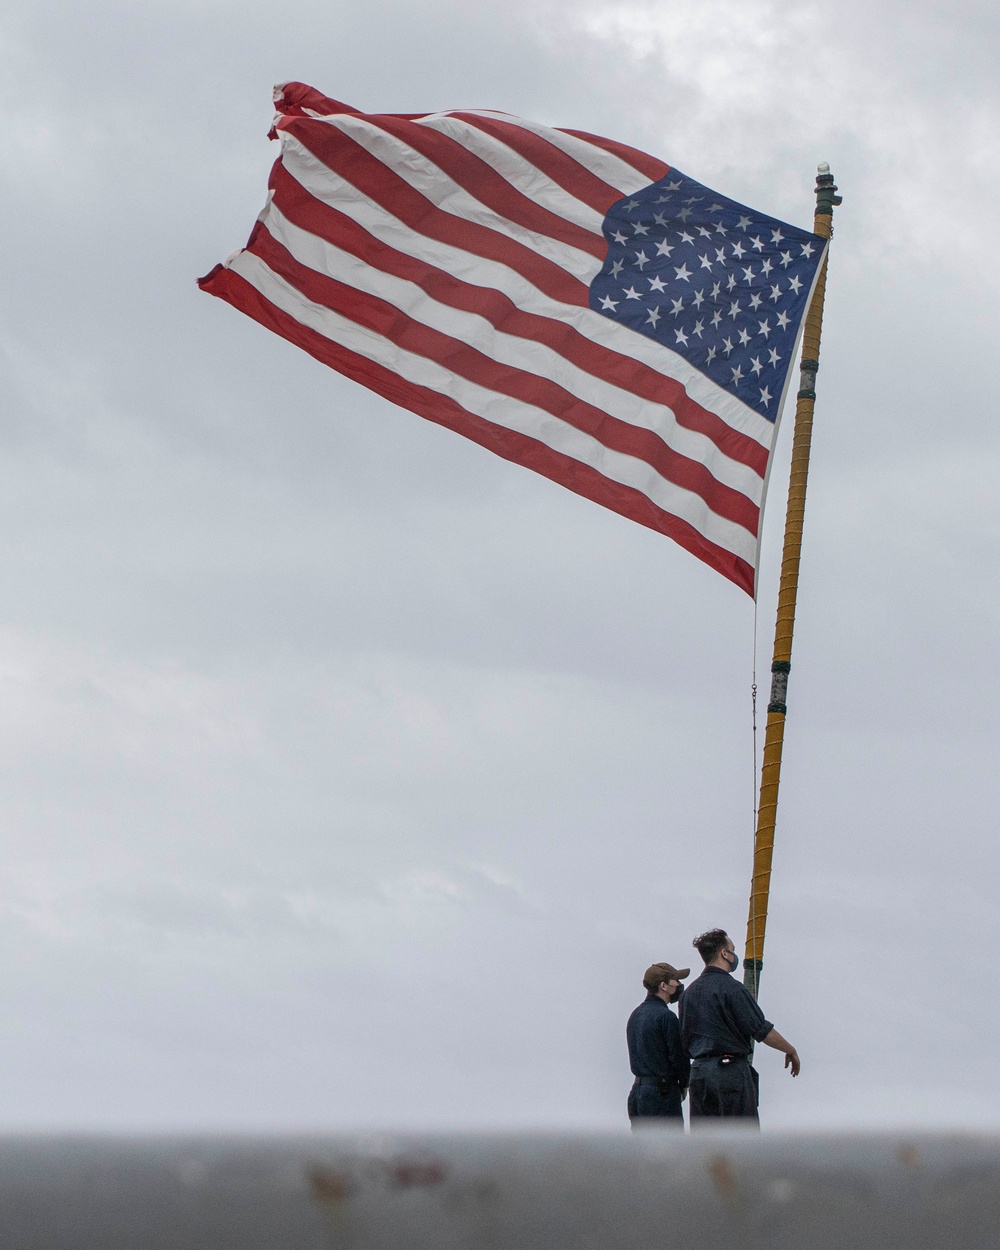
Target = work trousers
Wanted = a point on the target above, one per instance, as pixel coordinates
(721, 1088)
(649, 1104)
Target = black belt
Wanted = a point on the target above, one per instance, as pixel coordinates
(653, 1080)
(727, 1058)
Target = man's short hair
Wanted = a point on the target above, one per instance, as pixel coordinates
(709, 944)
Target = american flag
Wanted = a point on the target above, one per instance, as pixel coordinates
(566, 301)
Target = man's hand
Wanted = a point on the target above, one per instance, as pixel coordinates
(777, 1042)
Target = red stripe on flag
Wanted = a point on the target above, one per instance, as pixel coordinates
(552, 161)
(642, 161)
(295, 98)
(385, 319)
(298, 96)
(519, 448)
(379, 183)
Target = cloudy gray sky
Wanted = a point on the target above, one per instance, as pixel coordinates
(350, 776)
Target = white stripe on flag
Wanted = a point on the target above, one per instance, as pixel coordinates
(608, 167)
(522, 175)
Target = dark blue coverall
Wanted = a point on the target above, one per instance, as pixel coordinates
(720, 1021)
(658, 1061)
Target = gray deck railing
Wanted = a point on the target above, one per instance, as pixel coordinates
(716, 1191)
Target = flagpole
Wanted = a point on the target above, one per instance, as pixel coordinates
(774, 735)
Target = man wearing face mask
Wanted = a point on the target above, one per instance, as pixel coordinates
(720, 1021)
(657, 1058)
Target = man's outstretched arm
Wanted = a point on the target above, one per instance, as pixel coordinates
(777, 1042)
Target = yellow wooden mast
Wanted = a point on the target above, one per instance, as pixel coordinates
(767, 807)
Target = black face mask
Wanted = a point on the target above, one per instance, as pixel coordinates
(732, 959)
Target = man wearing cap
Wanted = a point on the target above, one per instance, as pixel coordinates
(720, 1021)
(656, 1056)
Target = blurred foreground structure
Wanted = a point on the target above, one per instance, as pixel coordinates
(726, 1189)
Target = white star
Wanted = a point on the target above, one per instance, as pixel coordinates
(632, 293)
(641, 259)
(737, 375)
(734, 309)
(765, 329)
(743, 223)
(773, 356)
(676, 306)
(664, 248)
(783, 321)
(716, 319)
(639, 228)
(744, 338)
(765, 396)
(673, 186)
(727, 346)
(776, 292)
(794, 285)
(685, 213)
(631, 204)
(698, 298)
(786, 259)
(694, 199)
(711, 355)
(608, 303)
(776, 236)
(619, 237)
(739, 250)
(766, 267)
(653, 316)
(807, 249)
(687, 238)
(755, 301)
(616, 268)
(755, 366)
(720, 255)
(714, 208)
(681, 337)
(705, 262)
(758, 245)
(716, 289)
(699, 327)
(704, 232)
(730, 282)
(656, 284)
(660, 220)
(683, 274)
(721, 229)
(748, 274)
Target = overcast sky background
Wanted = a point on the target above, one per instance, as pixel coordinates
(350, 776)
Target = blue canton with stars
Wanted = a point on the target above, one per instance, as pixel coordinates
(723, 286)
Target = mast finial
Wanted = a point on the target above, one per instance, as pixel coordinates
(826, 191)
